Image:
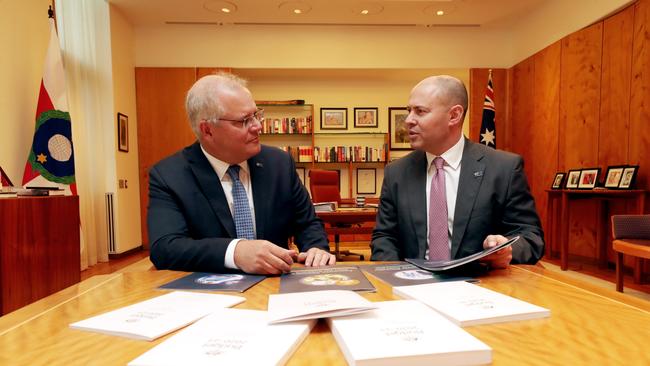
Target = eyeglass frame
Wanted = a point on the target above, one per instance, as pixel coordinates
(246, 122)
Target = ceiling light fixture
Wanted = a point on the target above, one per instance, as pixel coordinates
(295, 7)
(225, 10)
(297, 11)
(440, 12)
(364, 11)
(367, 8)
(220, 6)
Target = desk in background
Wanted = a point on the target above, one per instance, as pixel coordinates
(348, 220)
(586, 326)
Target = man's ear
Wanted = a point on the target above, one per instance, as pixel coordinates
(204, 128)
(456, 115)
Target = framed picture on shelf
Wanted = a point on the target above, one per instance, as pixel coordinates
(366, 181)
(122, 132)
(558, 180)
(365, 117)
(333, 118)
(628, 177)
(613, 176)
(573, 177)
(301, 174)
(588, 178)
(399, 134)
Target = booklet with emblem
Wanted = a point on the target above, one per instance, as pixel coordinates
(325, 278)
(214, 282)
(153, 318)
(406, 332)
(315, 304)
(404, 274)
(229, 337)
(468, 304)
(438, 266)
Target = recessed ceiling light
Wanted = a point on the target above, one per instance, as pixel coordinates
(295, 7)
(440, 12)
(366, 8)
(219, 6)
(440, 8)
(225, 10)
(297, 11)
(364, 11)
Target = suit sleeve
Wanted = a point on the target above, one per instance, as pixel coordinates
(384, 236)
(172, 247)
(520, 218)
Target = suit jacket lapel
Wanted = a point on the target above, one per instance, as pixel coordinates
(261, 192)
(471, 176)
(211, 186)
(416, 191)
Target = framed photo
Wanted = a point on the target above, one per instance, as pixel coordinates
(399, 134)
(628, 177)
(365, 117)
(301, 175)
(122, 132)
(588, 178)
(573, 177)
(613, 176)
(558, 180)
(333, 118)
(366, 180)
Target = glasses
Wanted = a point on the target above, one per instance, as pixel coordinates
(246, 122)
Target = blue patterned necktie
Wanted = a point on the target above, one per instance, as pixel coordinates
(243, 217)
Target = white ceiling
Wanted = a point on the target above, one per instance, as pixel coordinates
(458, 13)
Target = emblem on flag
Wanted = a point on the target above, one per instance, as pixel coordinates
(488, 126)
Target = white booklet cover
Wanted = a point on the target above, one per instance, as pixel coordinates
(153, 318)
(406, 332)
(229, 337)
(468, 304)
(315, 304)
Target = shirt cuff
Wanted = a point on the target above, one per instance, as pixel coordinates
(229, 259)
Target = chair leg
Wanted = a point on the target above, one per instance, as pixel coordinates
(637, 270)
(619, 271)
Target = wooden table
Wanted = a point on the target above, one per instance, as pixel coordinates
(348, 220)
(587, 326)
(558, 215)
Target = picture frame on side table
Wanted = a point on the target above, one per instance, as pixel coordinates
(333, 118)
(366, 181)
(366, 117)
(558, 180)
(613, 176)
(397, 129)
(573, 177)
(588, 178)
(628, 177)
(122, 132)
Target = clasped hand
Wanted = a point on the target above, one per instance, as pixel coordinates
(264, 257)
(501, 258)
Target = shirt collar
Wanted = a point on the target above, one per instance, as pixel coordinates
(452, 156)
(220, 167)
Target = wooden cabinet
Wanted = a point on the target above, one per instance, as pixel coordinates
(39, 248)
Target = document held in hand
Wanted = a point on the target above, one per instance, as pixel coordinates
(315, 304)
(153, 318)
(229, 337)
(468, 304)
(437, 266)
(406, 332)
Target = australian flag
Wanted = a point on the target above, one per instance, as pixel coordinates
(488, 127)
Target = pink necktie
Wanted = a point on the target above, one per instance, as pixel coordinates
(438, 232)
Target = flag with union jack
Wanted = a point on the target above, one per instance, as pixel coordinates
(488, 127)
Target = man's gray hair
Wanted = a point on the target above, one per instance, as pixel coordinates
(202, 101)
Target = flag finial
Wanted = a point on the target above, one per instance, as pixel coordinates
(50, 12)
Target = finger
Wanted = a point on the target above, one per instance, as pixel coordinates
(302, 257)
(332, 259)
(490, 241)
(325, 258)
(311, 256)
(270, 268)
(285, 255)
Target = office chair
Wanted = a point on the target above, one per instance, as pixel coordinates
(324, 187)
(631, 236)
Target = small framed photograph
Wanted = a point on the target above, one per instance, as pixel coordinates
(558, 180)
(301, 174)
(628, 177)
(365, 117)
(573, 177)
(122, 132)
(366, 181)
(333, 118)
(588, 178)
(397, 129)
(613, 176)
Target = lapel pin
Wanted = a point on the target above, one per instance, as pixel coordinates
(259, 165)
(478, 174)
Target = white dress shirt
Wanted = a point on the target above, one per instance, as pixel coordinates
(451, 168)
(220, 167)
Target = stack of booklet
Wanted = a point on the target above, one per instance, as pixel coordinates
(325, 278)
(315, 304)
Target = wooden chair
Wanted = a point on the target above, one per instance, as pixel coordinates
(631, 236)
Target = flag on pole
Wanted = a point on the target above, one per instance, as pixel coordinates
(51, 158)
(488, 127)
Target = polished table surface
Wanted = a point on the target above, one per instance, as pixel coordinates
(587, 326)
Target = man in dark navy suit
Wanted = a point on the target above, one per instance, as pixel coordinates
(226, 202)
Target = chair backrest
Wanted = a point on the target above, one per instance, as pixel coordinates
(324, 186)
(631, 226)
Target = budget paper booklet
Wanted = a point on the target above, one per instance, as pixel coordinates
(468, 304)
(153, 318)
(406, 332)
(325, 278)
(214, 281)
(315, 304)
(404, 274)
(229, 337)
